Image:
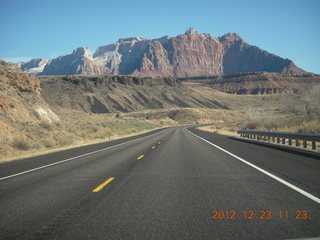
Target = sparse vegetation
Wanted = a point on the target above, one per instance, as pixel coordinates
(48, 142)
(312, 103)
(21, 144)
(312, 127)
(252, 125)
(45, 125)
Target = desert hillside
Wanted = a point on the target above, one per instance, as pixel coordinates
(40, 114)
(107, 94)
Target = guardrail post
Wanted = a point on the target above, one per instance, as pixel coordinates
(304, 143)
(282, 138)
(314, 147)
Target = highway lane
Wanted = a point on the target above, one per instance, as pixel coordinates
(18, 166)
(168, 193)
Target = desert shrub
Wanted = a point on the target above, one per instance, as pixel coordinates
(131, 125)
(3, 150)
(105, 129)
(252, 114)
(312, 127)
(252, 125)
(45, 125)
(312, 103)
(270, 125)
(105, 124)
(292, 104)
(63, 140)
(48, 143)
(21, 144)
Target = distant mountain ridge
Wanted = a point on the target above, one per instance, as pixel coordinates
(186, 55)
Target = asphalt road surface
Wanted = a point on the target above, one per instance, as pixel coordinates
(173, 183)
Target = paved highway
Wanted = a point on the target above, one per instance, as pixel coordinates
(173, 183)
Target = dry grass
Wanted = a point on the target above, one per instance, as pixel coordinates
(35, 136)
(57, 149)
(77, 128)
(219, 130)
(308, 127)
(21, 144)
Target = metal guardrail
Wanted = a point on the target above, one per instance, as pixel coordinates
(282, 137)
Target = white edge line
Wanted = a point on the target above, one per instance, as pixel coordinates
(299, 190)
(69, 159)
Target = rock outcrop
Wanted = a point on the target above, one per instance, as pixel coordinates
(239, 57)
(189, 54)
(34, 66)
(11, 75)
(80, 61)
(186, 55)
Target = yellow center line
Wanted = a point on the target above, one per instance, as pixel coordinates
(153, 147)
(101, 186)
(141, 156)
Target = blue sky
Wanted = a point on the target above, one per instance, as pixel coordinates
(50, 28)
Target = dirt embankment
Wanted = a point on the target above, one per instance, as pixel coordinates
(107, 94)
(259, 82)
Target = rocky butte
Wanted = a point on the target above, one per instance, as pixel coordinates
(186, 55)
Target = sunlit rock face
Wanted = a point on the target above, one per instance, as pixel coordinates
(186, 55)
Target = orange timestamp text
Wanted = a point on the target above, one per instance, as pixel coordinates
(262, 214)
